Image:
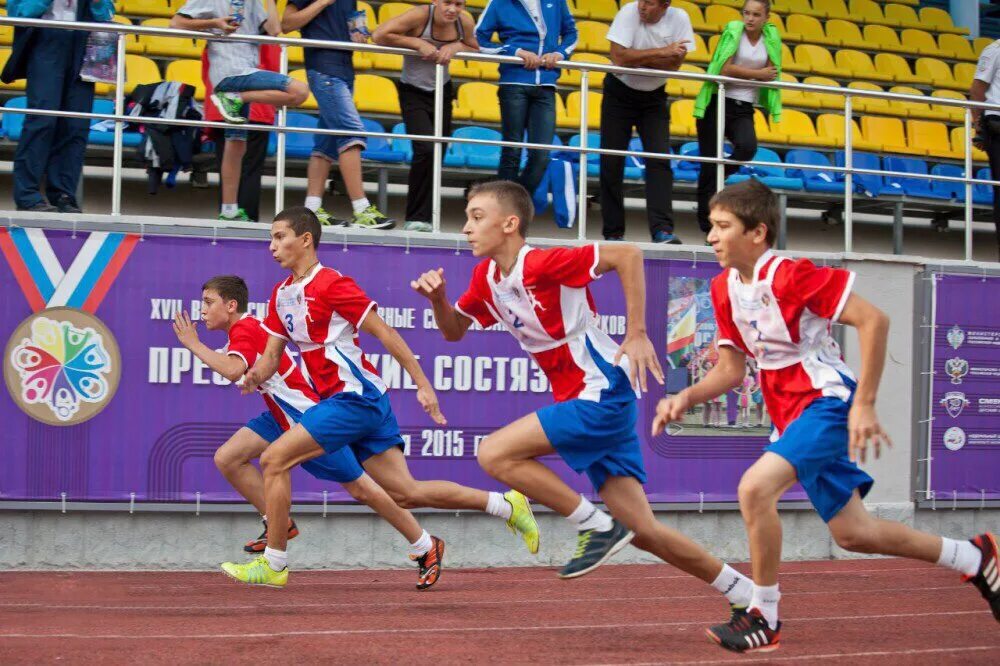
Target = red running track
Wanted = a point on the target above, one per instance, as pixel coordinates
(857, 612)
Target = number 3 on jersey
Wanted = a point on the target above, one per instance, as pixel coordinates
(289, 322)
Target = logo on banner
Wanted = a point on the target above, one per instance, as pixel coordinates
(956, 337)
(956, 369)
(954, 402)
(954, 438)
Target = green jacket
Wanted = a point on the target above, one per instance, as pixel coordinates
(729, 42)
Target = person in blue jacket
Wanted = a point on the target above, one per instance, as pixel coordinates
(50, 60)
(541, 33)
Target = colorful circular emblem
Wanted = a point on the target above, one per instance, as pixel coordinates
(62, 366)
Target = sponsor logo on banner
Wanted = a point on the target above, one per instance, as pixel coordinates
(956, 369)
(956, 337)
(954, 438)
(954, 402)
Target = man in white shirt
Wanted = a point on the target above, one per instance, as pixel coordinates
(653, 35)
(986, 88)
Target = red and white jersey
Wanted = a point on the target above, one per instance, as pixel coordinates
(287, 393)
(546, 305)
(783, 320)
(321, 314)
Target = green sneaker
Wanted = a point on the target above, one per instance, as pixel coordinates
(372, 218)
(328, 220)
(522, 520)
(417, 225)
(230, 105)
(239, 216)
(257, 572)
(594, 548)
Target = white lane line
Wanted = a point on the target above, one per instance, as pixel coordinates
(805, 657)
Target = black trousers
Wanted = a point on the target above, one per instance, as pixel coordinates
(739, 130)
(649, 113)
(251, 172)
(418, 114)
(991, 130)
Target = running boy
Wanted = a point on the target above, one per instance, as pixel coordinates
(541, 297)
(779, 311)
(287, 395)
(322, 312)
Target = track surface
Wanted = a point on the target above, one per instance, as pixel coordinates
(858, 612)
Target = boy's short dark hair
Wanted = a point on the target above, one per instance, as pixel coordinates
(230, 288)
(301, 220)
(512, 197)
(753, 203)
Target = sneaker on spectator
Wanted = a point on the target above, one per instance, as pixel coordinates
(67, 204)
(40, 207)
(328, 220)
(417, 225)
(372, 218)
(239, 216)
(230, 105)
(667, 238)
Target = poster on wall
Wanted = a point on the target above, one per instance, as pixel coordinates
(965, 389)
(102, 403)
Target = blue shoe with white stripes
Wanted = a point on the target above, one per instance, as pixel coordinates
(987, 579)
(746, 632)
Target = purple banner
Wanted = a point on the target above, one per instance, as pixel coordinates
(102, 401)
(965, 395)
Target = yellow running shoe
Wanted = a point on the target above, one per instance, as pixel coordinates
(522, 520)
(257, 572)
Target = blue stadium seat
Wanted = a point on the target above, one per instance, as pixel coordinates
(379, 148)
(872, 186)
(556, 141)
(593, 159)
(814, 180)
(686, 170)
(107, 137)
(983, 194)
(13, 123)
(405, 146)
(946, 189)
(773, 177)
(296, 144)
(912, 187)
(479, 156)
(635, 167)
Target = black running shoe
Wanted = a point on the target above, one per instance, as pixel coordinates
(987, 579)
(594, 548)
(746, 632)
(260, 543)
(735, 612)
(430, 564)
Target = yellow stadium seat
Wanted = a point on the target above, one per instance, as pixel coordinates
(920, 42)
(866, 11)
(185, 71)
(902, 16)
(563, 119)
(600, 10)
(132, 43)
(685, 87)
(811, 29)
(799, 130)
(466, 69)
(7, 32)
(956, 46)
(694, 13)
(593, 108)
(899, 68)
(938, 19)
(700, 53)
(796, 7)
(834, 9)
(889, 133)
(921, 110)
(682, 118)
(576, 10)
(480, 102)
(593, 37)
(160, 8)
(824, 100)
(361, 60)
(846, 33)
(869, 104)
(572, 76)
(964, 73)
(462, 110)
(479, 4)
(832, 125)
(788, 62)
(376, 94)
(16, 85)
(861, 65)
(883, 38)
(369, 15)
(389, 62)
(296, 54)
(300, 75)
(938, 73)
(391, 10)
(930, 138)
(958, 144)
(717, 16)
(786, 34)
(817, 59)
(980, 43)
(796, 97)
(489, 71)
(765, 133)
(174, 47)
(956, 114)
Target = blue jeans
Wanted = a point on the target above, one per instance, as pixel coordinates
(335, 98)
(531, 108)
(259, 80)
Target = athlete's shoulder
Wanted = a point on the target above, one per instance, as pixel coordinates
(719, 285)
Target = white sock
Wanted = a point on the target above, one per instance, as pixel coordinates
(421, 545)
(276, 559)
(360, 205)
(961, 556)
(314, 203)
(229, 210)
(765, 599)
(589, 517)
(497, 505)
(737, 588)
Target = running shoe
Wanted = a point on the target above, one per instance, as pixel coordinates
(230, 105)
(746, 632)
(260, 543)
(328, 220)
(256, 572)
(522, 520)
(430, 564)
(372, 218)
(987, 579)
(239, 216)
(594, 548)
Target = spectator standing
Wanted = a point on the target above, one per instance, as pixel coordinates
(986, 88)
(654, 35)
(748, 49)
(50, 59)
(540, 32)
(331, 79)
(437, 32)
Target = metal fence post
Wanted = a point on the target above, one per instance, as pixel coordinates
(279, 166)
(968, 184)
(116, 177)
(720, 138)
(581, 229)
(849, 174)
(438, 133)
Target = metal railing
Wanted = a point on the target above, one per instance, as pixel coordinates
(585, 68)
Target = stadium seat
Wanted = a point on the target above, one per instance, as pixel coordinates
(185, 71)
(883, 38)
(831, 9)
(817, 59)
(572, 76)
(577, 9)
(964, 73)
(983, 194)
(980, 43)
(694, 13)
(685, 88)
(920, 42)
(391, 10)
(130, 139)
(593, 108)
(902, 16)
(480, 156)
(789, 64)
(792, 7)
(939, 20)
(300, 75)
(878, 105)
(132, 43)
(899, 69)
(14, 85)
(860, 65)
(174, 47)
(700, 53)
(490, 71)
(866, 12)
(765, 133)
(774, 177)
(945, 189)
(831, 124)
(867, 184)
(296, 54)
(813, 181)
(600, 10)
(786, 34)
(387, 62)
(912, 187)
(796, 97)
(682, 118)
(799, 130)
(469, 95)
(717, 16)
(888, 132)
(811, 30)
(563, 119)
(297, 144)
(938, 73)
(376, 94)
(159, 8)
(379, 149)
(404, 146)
(13, 123)
(593, 159)
(822, 100)
(931, 138)
(593, 37)
(958, 144)
(846, 34)
(956, 46)
(917, 109)
(688, 170)
(370, 17)
(955, 114)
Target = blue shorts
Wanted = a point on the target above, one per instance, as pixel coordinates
(341, 466)
(364, 424)
(335, 98)
(259, 80)
(816, 446)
